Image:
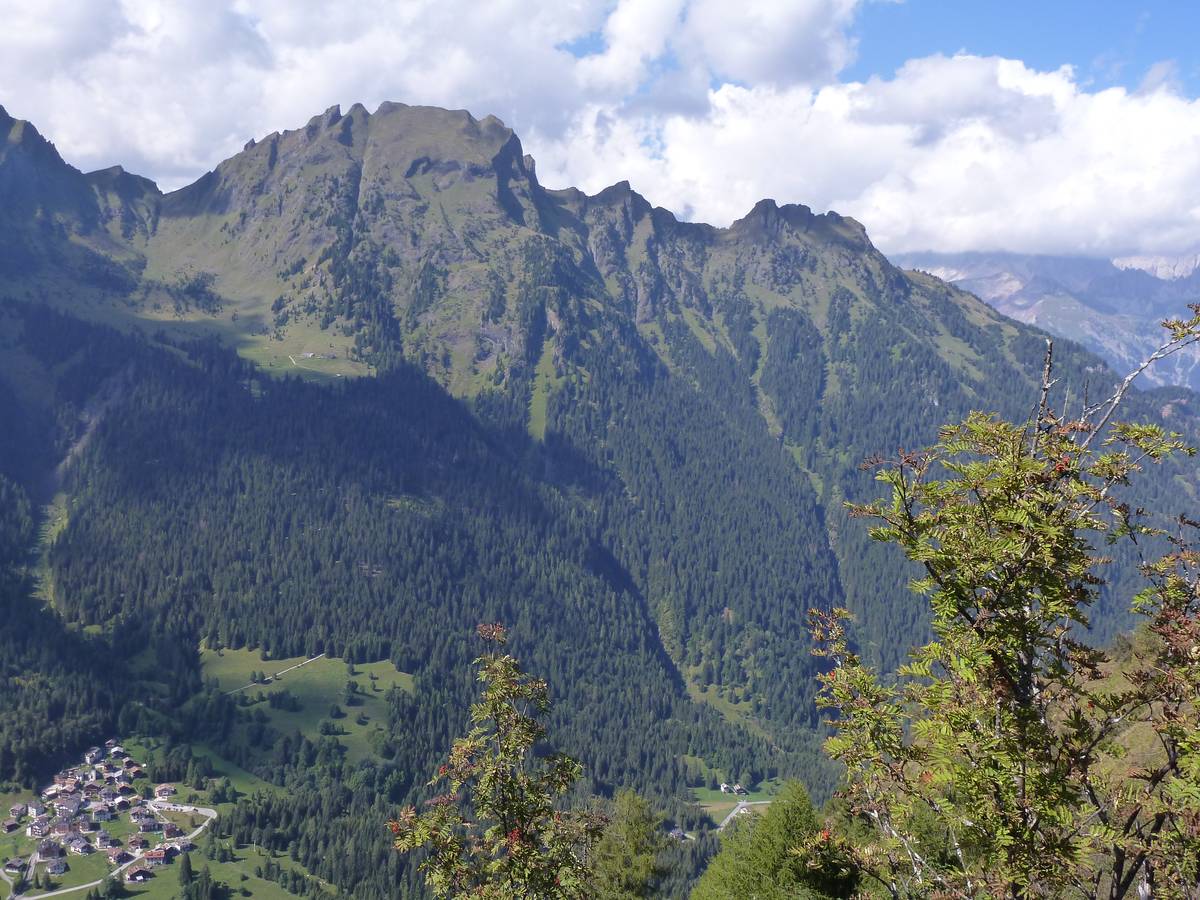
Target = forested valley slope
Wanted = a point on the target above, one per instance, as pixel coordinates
(369, 383)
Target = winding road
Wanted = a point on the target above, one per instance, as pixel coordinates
(742, 807)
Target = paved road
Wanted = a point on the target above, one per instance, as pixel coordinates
(742, 807)
(158, 805)
(277, 674)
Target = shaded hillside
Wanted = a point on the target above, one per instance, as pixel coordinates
(664, 417)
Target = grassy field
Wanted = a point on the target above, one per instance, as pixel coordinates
(238, 874)
(719, 805)
(318, 686)
(545, 382)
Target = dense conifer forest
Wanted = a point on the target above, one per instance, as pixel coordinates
(629, 439)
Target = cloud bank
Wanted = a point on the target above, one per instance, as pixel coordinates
(705, 105)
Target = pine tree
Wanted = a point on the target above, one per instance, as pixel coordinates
(185, 870)
(625, 859)
(785, 852)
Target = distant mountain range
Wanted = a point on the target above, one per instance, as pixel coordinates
(1113, 307)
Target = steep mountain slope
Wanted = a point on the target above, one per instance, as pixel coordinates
(1112, 310)
(663, 420)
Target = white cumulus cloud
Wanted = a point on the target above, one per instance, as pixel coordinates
(705, 105)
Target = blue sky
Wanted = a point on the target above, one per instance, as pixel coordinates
(1108, 42)
(940, 124)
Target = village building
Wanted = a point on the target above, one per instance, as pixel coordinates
(102, 813)
(49, 850)
(38, 828)
(171, 830)
(104, 840)
(138, 875)
(117, 856)
(93, 755)
(15, 866)
(17, 810)
(136, 842)
(80, 845)
(35, 809)
(164, 790)
(10, 825)
(62, 827)
(57, 867)
(155, 857)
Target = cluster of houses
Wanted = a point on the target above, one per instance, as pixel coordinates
(733, 789)
(72, 814)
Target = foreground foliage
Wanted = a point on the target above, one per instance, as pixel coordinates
(496, 833)
(1010, 758)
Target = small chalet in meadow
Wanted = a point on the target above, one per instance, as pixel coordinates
(118, 856)
(138, 875)
(15, 866)
(8, 826)
(17, 810)
(164, 790)
(57, 867)
(80, 845)
(136, 842)
(171, 830)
